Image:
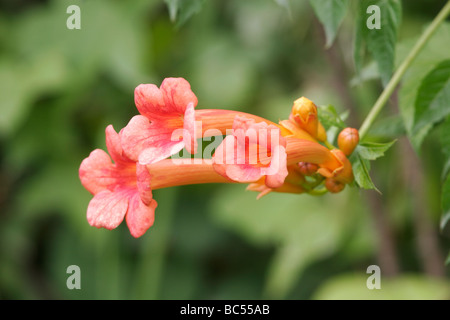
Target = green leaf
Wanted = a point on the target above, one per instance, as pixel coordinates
(329, 117)
(330, 13)
(424, 63)
(23, 84)
(363, 153)
(445, 138)
(445, 220)
(432, 102)
(380, 43)
(373, 150)
(182, 10)
(361, 168)
(445, 143)
(404, 287)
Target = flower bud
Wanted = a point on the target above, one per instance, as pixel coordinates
(321, 133)
(307, 169)
(348, 140)
(304, 113)
(342, 174)
(333, 185)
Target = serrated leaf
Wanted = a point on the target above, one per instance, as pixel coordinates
(423, 64)
(181, 10)
(432, 102)
(330, 13)
(445, 219)
(361, 169)
(172, 6)
(373, 150)
(363, 154)
(380, 43)
(329, 117)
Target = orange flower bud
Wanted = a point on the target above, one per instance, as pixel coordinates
(348, 140)
(307, 169)
(342, 174)
(333, 185)
(321, 133)
(304, 113)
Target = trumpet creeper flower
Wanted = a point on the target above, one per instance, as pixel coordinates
(121, 189)
(148, 137)
(252, 151)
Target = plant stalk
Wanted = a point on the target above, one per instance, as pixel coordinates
(389, 89)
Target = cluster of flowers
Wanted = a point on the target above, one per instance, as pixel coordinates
(290, 156)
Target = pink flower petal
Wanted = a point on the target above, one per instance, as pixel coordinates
(155, 135)
(230, 162)
(253, 151)
(189, 135)
(96, 172)
(143, 181)
(140, 134)
(173, 97)
(113, 144)
(140, 217)
(277, 171)
(243, 173)
(149, 100)
(177, 95)
(107, 209)
(157, 153)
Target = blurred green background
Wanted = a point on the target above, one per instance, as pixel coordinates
(60, 88)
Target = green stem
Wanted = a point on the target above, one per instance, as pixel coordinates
(387, 92)
(329, 145)
(318, 192)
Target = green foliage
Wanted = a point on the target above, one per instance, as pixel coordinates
(432, 102)
(289, 223)
(330, 13)
(445, 145)
(380, 43)
(361, 157)
(181, 10)
(387, 128)
(60, 88)
(426, 61)
(373, 150)
(445, 220)
(361, 171)
(424, 99)
(407, 287)
(329, 117)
